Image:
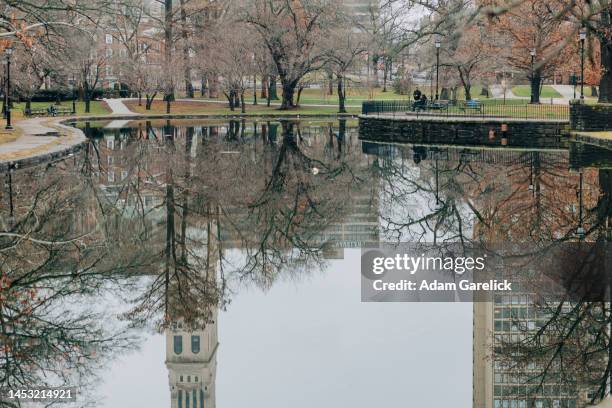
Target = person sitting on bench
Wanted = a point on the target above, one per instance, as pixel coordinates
(420, 100)
(51, 110)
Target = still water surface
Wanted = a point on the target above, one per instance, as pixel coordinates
(190, 264)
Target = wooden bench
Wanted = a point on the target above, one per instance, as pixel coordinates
(45, 112)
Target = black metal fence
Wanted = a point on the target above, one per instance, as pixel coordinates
(468, 109)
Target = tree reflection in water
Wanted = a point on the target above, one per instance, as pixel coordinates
(531, 350)
(168, 217)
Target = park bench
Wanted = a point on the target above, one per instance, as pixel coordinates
(58, 111)
(438, 105)
(473, 105)
(419, 105)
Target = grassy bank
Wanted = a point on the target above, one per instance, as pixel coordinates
(96, 108)
(354, 96)
(524, 91)
(213, 108)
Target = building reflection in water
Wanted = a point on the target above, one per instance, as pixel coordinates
(191, 359)
(535, 197)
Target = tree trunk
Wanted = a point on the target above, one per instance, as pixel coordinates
(535, 87)
(213, 87)
(288, 91)
(168, 98)
(468, 91)
(385, 73)
(299, 95)
(86, 96)
(149, 100)
(272, 87)
(139, 99)
(203, 85)
(168, 38)
(186, 64)
(341, 95)
(230, 101)
(605, 83)
(264, 87)
(330, 82)
(243, 107)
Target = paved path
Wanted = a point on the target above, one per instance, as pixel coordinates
(497, 91)
(567, 91)
(40, 139)
(118, 107)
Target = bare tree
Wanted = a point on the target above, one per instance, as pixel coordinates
(292, 32)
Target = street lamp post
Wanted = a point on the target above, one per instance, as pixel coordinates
(583, 34)
(438, 43)
(533, 84)
(73, 94)
(8, 51)
(580, 230)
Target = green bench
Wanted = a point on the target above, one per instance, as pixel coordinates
(57, 111)
(438, 105)
(473, 105)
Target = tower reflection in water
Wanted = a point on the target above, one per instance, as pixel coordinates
(191, 359)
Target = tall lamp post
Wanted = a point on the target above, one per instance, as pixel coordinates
(533, 84)
(580, 230)
(8, 51)
(583, 34)
(438, 43)
(73, 94)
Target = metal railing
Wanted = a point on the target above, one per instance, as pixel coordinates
(468, 109)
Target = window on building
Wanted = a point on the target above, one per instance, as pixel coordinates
(180, 398)
(201, 399)
(111, 177)
(109, 52)
(178, 344)
(195, 344)
(109, 39)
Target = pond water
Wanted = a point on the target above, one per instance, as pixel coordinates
(218, 264)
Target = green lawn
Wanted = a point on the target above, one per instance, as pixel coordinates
(207, 108)
(525, 91)
(354, 96)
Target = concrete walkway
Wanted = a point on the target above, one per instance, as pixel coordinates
(497, 91)
(118, 107)
(567, 91)
(40, 139)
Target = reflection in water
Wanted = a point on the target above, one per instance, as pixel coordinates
(175, 219)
